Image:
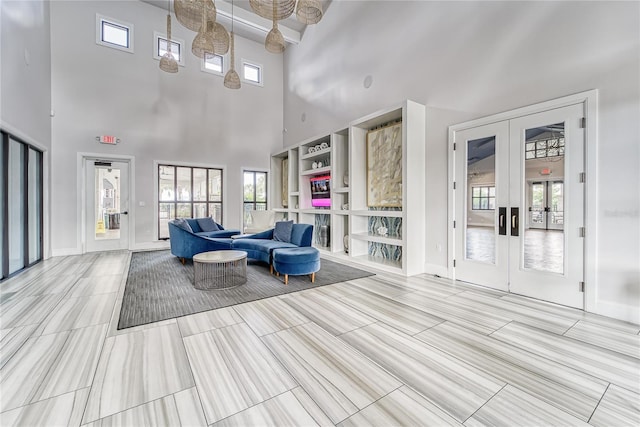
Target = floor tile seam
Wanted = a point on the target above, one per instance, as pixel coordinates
(372, 403)
(583, 341)
(485, 403)
(512, 365)
(202, 332)
(564, 334)
(21, 345)
(129, 408)
(193, 378)
(598, 404)
(307, 320)
(74, 328)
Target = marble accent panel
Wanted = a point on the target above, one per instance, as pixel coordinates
(572, 391)
(136, 368)
(234, 370)
(269, 315)
(282, 410)
(475, 319)
(602, 336)
(63, 410)
(513, 407)
(88, 286)
(402, 407)
(618, 407)
(12, 340)
(458, 388)
(189, 408)
(77, 313)
(608, 365)
(208, 320)
(339, 379)
(76, 363)
(517, 312)
(402, 317)
(25, 371)
(385, 251)
(28, 310)
(331, 314)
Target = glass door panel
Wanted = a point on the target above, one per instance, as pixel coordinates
(17, 189)
(107, 203)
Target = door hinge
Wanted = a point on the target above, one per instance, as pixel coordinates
(582, 232)
(454, 185)
(454, 224)
(583, 122)
(454, 263)
(581, 286)
(454, 146)
(583, 177)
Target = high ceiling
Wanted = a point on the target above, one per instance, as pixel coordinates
(247, 24)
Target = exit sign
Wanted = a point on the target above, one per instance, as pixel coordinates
(107, 139)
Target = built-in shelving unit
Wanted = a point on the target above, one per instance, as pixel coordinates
(348, 228)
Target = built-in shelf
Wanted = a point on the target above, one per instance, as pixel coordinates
(316, 171)
(294, 193)
(389, 214)
(317, 211)
(341, 190)
(316, 154)
(341, 212)
(280, 209)
(378, 239)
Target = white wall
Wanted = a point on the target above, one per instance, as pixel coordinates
(186, 117)
(488, 57)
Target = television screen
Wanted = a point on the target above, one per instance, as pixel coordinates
(320, 191)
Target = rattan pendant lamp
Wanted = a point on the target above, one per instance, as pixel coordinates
(168, 63)
(203, 41)
(189, 12)
(220, 37)
(231, 79)
(274, 42)
(270, 9)
(309, 11)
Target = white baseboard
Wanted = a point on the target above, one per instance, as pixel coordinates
(66, 252)
(627, 313)
(439, 270)
(158, 245)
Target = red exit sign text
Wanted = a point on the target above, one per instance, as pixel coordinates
(107, 139)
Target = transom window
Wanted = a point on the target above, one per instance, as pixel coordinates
(188, 192)
(483, 198)
(252, 73)
(213, 63)
(541, 148)
(255, 193)
(114, 33)
(161, 46)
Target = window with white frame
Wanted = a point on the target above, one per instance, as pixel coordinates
(213, 63)
(114, 33)
(161, 46)
(252, 73)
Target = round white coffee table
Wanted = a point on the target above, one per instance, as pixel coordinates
(219, 269)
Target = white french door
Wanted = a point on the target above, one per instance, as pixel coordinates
(107, 204)
(499, 241)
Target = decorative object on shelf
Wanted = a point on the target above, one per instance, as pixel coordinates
(314, 165)
(189, 13)
(285, 182)
(318, 147)
(168, 62)
(384, 166)
(232, 79)
(309, 11)
(383, 231)
(345, 179)
(324, 146)
(324, 235)
(345, 241)
(345, 207)
(311, 150)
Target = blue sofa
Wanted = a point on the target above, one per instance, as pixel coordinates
(185, 244)
(260, 246)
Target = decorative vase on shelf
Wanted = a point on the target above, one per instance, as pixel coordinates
(314, 165)
(324, 236)
(383, 231)
(324, 145)
(345, 240)
(345, 179)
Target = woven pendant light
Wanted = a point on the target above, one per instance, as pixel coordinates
(269, 9)
(231, 79)
(168, 63)
(274, 42)
(309, 11)
(203, 41)
(220, 37)
(189, 13)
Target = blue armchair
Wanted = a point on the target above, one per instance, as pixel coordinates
(260, 246)
(189, 241)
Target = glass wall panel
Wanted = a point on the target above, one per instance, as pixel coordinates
(2, 187)
(35, 205)
(16, 188)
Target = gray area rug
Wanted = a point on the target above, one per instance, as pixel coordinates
(159, 287)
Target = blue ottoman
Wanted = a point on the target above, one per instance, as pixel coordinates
(296, 262)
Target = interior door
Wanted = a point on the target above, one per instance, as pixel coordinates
(481, 197)
(107, 203)
(538, 205)
(548, 263)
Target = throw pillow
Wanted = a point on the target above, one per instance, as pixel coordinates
(207, 224)
(182, 223)
(282, 231)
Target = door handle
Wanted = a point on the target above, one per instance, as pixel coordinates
(502, 224)
(515, 216)
(124, 213)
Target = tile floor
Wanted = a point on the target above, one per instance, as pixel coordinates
(383, 350)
